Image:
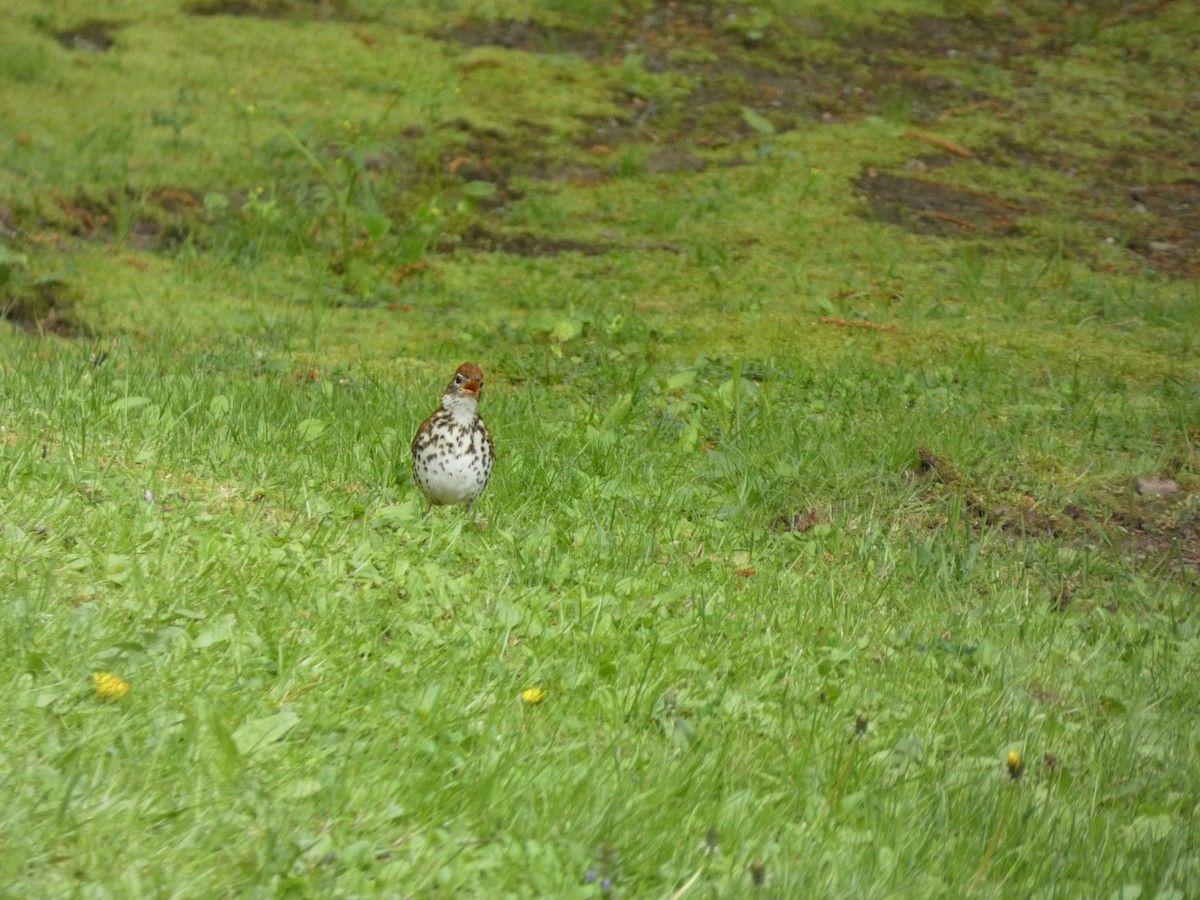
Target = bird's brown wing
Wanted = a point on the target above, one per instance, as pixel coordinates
(420, 431)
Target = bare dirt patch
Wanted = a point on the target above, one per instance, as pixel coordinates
(529, 244)
(527, 35)
(985, 38)
(46, 307)
(1158, 221)
(524, 243)
(930, 207)
(319, 10)
(793, 71)
(1164, 536)
(160, 220)
(1160, 532)
(1168, 236)
(93, 36)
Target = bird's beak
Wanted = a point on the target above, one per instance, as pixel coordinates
(470, 387)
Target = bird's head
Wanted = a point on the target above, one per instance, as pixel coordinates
(468, 379)
(462, 393)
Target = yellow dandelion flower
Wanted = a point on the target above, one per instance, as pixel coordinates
(110, 687)
(1015, 766)
(533, 695)
(252, 109)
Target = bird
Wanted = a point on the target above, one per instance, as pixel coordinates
(453, 451)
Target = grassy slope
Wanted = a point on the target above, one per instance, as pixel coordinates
(326, 685)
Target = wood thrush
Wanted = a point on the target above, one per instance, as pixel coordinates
(453, 452)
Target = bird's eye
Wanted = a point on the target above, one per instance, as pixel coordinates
(458, 379)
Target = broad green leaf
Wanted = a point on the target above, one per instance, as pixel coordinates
(258, 735)
(310, 429)
(227, 748)
(377, 225)
(126, 403)
(217, 633)
(565, 329)
(681, 379)
(479, 189)
(757, 121)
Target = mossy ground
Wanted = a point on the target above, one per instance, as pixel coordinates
(842, 363)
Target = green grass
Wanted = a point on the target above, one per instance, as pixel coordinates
(802, 522)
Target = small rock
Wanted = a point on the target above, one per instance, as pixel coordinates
(1160, 487)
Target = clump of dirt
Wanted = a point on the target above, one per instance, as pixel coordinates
(798, 522)
(319, 10)
(44, 307)
(93, 36)
(177, 201)
(931, 465)
(930, 207)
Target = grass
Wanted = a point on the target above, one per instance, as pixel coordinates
(814, 561)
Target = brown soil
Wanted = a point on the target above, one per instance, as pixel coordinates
(1162, 536)
(94, 36)
(320, 10)
(43, 308)
(521, 243)
(1168, 237)
(928, 207)
(160, 221)
(524, 243)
